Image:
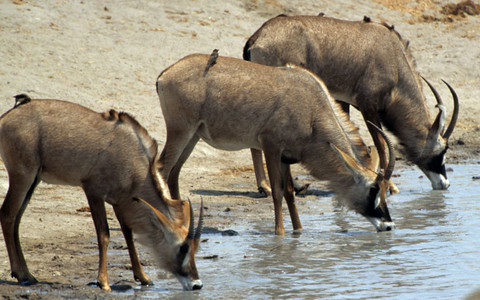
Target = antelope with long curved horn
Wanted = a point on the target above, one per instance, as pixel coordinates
(367, 65)
(284, 111)
(184, 258)
(113, 158)
(437, 140)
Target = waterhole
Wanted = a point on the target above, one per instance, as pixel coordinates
(434, 252)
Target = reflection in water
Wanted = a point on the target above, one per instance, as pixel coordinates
(422, 210)
(434, 252)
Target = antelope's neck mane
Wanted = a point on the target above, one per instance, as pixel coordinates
(150, 148)
(348, 131)
(319, 158)
(408, 117)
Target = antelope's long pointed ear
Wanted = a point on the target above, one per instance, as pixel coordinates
(199, 229)
(161, 217)
(351, 164)
(439, 124)
(374, 163)
(185, 218)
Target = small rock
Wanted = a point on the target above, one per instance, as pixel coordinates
(211, 256)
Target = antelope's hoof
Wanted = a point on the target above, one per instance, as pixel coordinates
(145, 281)
(104, 287)
(302, 190)
(297, 231)
(263, 192)
(394, 190)
(25, 280)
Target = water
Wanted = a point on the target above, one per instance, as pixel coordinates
(434, 253)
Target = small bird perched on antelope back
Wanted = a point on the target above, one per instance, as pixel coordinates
(211, 61)
(22, 99)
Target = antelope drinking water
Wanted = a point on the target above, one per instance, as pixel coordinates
(112, 157)
(284, 111)
(369, 66)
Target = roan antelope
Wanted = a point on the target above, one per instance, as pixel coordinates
(113, 158)
(369, 66)
(284, 111)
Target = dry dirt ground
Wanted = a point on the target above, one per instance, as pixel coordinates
(107, 54)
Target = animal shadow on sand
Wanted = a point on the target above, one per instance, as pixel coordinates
(251, 194)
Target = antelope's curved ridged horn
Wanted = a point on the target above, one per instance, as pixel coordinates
(391, 159)
(198, 231)
(439, 123)
(456, 108)
(190, 234)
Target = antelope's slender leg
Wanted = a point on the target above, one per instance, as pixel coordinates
(176, 151)
(175, 168)
(137, 269)
(262, 184)
(277, 183)
(18, 196)
(99, 215)
(290, 197)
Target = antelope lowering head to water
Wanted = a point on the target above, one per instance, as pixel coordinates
(369, 66)
(284, 111)
(113, 158)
